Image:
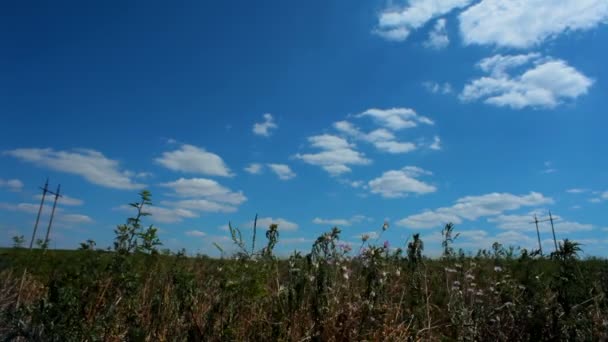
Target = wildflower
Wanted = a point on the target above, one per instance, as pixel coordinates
(345, 275)
(364, 237)
(458, 265)
(386, 244)
(385, 226)
(497, 269)
(473, 284)
(479, 293)
(397, 272)
(372, 294)
(450, 270)
(311, 278)
(470, 276)
(456, 283)
(521, 287)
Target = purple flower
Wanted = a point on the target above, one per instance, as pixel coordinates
(386, 244)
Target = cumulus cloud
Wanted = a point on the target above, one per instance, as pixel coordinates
(474, 207)
(400, 183)
(89, 164)
(283, 171)
(383, 139)
(254, 168)
(266, 127)
(192, 159)
(528, 23)
(545, 84)
(438, 37)
(205, 188)
(396, 23)
(13, 185)
(335, 155)
(396, 118)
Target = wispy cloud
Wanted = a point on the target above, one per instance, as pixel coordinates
(13, 185)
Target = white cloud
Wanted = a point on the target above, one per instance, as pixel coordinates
(90, 164)
(340, 222)
(335, 156)
(546, 84)
(64, 200)
(399, 183)
(527, 23)
(284, 225)
(283, 171)
(383, 139)
(396, 118)
(193, 159)
(205, 188)
(549, 168)
(576, 191)
(438, 37)
(61, 218)
(73, 219)
(162, 214)
(525, 223)
(14, 185)
(331, 222)
(254, 168)
(436, 145)
(396, 24)
(437, 88)
(265, 128)
(472, 208)
(195, 233)
(201, 205)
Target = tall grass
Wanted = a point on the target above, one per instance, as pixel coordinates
(332, 293)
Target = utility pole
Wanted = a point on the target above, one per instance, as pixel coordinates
(48, 229)
(44, 191)
(553, 230)
(540, 247)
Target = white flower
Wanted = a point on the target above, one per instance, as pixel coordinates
(497, 269)
(397, 272)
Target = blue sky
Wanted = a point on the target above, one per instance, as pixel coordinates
(314, 114)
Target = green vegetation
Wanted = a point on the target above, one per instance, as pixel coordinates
(136, 293)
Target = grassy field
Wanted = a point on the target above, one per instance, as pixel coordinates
(331, 293)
